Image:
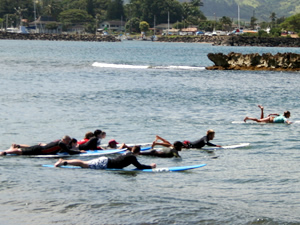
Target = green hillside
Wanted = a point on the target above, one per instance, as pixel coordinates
(260, 8)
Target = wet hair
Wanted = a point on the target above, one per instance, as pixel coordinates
(178, 145)
(136, 149)
(286, 113)
(66, 137)
(88, 135)
(211, 131)
(73, 140)
(97, 132)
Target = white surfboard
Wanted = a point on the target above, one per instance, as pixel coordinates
(253, 122)
(241, 145)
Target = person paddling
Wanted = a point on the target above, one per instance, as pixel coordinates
(171, 151)
(210, 135)
(271, 118)
(51, 148)
(105, 162)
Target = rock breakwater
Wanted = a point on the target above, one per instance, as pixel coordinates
(235, 40)
(58, 37)
(267, 61)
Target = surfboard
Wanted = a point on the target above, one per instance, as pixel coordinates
(85, 154)
(155, 170)
(253, 122)
(241, 145)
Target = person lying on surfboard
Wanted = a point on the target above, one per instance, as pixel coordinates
(271, 118)
(172, 150)
(210, 135)
(112, 144)
(105, 162)
(94, 142)
(86, 138)
(51, 148)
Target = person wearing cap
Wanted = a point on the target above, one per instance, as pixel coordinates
(112, 144)
(51, 148)
(169, 152)
(104, 162)
(210, 134)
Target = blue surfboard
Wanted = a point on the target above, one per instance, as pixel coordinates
(87, 153)
(155, 170)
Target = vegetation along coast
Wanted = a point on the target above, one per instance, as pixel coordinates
(193, 21)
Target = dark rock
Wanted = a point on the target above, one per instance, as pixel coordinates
(58, 37)
(266, 61)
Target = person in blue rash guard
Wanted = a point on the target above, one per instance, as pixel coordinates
(272, 118)
(105, 162)
(210, 134)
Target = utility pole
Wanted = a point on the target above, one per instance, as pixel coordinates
(168, 22)
(34, 11)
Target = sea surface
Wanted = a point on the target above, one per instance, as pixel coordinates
(135, 90)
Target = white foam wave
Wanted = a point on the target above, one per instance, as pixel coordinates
(121, 66)
(126, 66)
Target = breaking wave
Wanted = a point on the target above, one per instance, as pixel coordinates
(126, 66)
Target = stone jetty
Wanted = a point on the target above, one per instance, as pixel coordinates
(237, 40)
(266, 61)
(58, 37)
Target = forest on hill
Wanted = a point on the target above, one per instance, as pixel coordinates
(261, 9)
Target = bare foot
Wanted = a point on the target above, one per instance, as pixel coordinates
(245, 119)
(13, 145)
(3, 153)
(60, 162)
(153, 144)
(260, 106)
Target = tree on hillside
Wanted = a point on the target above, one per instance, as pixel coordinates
(196, 3)
(292, 23)
(160, 9)
(273, 18)
(253, 22)
(191, 12)
(52, 8)
(8, 7)
(144, 26)
(133, 25)
(90, 7)
(115, 10)
(75, 16)
(226, 21)
(74, 4)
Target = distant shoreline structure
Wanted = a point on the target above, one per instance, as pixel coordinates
(214, 40)
(235, 40)
(58, 37)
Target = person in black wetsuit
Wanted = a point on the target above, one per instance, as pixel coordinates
(210, 134)
(171, 151)
(92, 143)
(47, 149)
(105, 162)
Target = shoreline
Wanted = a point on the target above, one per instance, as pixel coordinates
(213, 40)
(235, 40)
(58, 37)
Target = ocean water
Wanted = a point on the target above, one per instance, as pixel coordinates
(135, 90)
